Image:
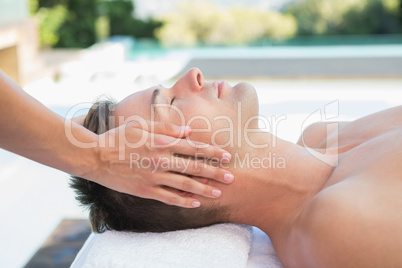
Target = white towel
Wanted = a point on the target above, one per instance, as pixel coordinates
(262, 253)
(221, 245)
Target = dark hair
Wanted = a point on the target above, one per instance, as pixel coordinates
(112, 210)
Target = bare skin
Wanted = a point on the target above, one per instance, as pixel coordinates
(361, 196)
(31, 130)
(324, 216)
(342, 212)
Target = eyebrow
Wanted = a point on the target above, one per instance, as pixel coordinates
(155, 94)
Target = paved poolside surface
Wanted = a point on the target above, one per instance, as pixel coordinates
(307, 62)
(302, 67)
(62, 246)
(34, 198)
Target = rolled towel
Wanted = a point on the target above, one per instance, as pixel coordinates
(220, 245)
(262, 252)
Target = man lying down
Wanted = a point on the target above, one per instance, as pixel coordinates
(334, 199)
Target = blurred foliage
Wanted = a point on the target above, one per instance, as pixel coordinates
(200, 22)
(80, 23)
(33, 6)
(50, 20)
(65, 23)
(319, 17)
(78, 30)
(102, 27)
(122, 21)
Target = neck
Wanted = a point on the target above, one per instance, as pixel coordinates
(273, 184)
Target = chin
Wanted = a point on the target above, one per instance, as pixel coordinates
(247, 95)
(246, 89)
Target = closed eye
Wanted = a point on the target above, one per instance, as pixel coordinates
(172, 100)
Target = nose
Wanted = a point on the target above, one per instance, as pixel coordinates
(193, 80)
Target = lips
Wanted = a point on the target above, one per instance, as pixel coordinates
(220, 88)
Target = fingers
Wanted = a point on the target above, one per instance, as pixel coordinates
(201, 179)
(187, 184)
(169, 129)
(201, 169)
(174, 199)
(163, 128)
(167, 137)
(200, 150)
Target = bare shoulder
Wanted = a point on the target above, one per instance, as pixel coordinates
(315, 135)
(350, 224)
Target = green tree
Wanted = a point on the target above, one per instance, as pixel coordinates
(318, 17)
(198, 22)
(80, 23)
(79, 28)
(315, 17)
(375, 17)
(122, 21)
(400, 12)
(50, 20)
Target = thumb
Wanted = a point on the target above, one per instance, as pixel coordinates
(169, 129)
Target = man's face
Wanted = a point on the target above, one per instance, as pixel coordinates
(215, 111)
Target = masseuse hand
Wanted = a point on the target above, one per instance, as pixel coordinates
(31, 130)
(152, 169)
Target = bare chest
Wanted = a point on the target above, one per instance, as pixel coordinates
(379, 157)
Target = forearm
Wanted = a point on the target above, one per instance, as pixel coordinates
(31, 130)
(79, 119)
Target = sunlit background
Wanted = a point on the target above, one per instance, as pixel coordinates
(309, 60)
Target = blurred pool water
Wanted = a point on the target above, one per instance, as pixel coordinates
(333, 46)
